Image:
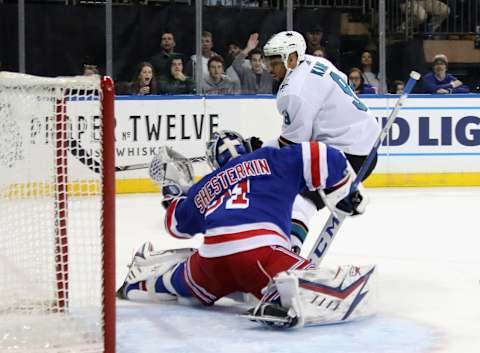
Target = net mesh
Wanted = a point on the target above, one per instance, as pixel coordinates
(50, 214)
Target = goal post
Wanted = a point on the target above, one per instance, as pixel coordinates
(108, 147)
(57, 214)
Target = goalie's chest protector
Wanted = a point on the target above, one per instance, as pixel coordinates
(248, 203)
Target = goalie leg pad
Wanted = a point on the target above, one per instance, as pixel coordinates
(318, 297)
(335, 296)
(151, 274)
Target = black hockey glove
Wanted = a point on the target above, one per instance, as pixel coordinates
(254, 142)
(353, 205)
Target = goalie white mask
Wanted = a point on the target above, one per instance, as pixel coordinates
(224, 146)
(285, 43)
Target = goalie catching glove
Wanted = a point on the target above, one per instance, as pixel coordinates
(173, 172)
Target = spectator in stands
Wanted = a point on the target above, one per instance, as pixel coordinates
(143, 83)
(439, 81)
(176, 82)
(233, 50)
(207, 53)
(366, 64)
(398, 87)
(319, 51)
(355, 80)
(217, 82)
(89, 70)
(314, 38)
(421, 10)
(160, 61)
(256, 79)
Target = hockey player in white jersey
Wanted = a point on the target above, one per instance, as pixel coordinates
(316, 103)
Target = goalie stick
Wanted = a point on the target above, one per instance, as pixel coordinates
(85, 158)
(333, 224)
(147, 165)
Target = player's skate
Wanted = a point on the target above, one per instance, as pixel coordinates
(148, 264)
(318, 297)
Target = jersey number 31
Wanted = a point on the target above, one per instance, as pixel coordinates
(238, 198)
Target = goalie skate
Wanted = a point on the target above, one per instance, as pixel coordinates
(273, 315)
(147, 262)
(318, 297)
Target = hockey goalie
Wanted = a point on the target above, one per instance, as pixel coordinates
(243, 208)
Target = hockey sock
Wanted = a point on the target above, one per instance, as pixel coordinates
(173, 282)
(132, 290)
(298, 233)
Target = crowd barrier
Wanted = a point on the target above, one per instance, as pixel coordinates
(435, 141)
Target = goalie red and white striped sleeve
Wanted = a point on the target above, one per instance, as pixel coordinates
(315, 166)
(323, 166)
(171, 223)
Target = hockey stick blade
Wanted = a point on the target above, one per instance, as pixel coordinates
(333, 224)
(147, 165)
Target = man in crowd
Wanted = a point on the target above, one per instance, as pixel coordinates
(314, 38)
(176, 81)
(441, 82)
(256, 79)
(161, 60)
(233, 50)
(207, 53)
(217, 82)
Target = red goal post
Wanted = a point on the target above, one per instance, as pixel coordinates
(57, 214)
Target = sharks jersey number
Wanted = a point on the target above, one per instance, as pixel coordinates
(348, 90)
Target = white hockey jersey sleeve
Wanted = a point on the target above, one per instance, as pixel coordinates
(298, 116)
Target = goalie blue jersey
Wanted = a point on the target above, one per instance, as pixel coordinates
(247, 203)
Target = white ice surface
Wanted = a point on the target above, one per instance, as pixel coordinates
(425, 242)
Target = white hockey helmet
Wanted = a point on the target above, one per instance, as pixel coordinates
(224, 146)
(285, 43)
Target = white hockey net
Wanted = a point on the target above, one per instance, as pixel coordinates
(51, 214)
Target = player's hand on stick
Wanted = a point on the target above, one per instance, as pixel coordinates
(340, 199)
(255, 142)
(354, 204)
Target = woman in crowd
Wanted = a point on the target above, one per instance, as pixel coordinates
(367, 67)
(357, 83)
(143, 82)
